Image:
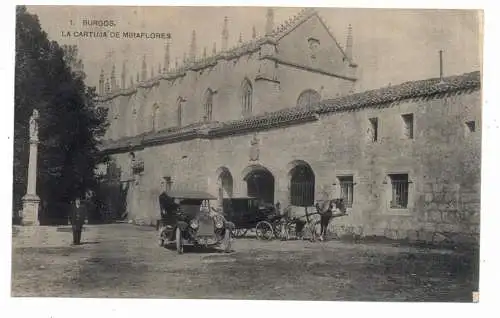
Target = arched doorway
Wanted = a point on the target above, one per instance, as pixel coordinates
(224, 185)
(260, 183)
(302, 184)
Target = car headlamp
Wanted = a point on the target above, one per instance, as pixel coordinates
(194, 224)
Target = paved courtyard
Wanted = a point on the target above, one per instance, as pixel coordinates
(122, 260)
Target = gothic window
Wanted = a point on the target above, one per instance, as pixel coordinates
(208, 103)
(246, 97)
(155, 115)
(373, 129)
(179, 111)
(408, 125)
(308, 98)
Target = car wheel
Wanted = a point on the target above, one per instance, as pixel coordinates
(227, 241)
(178, 240)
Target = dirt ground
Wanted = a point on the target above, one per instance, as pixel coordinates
(122, 260)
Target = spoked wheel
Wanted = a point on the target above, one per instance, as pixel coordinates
(239, 232)
(264, 230)
(178, 241)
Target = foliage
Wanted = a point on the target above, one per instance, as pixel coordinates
(50, 78)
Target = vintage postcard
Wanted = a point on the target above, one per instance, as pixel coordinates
(251, 153)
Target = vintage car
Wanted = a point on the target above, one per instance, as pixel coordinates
(195, 223)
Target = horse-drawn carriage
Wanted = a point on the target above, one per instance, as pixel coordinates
(194, 223)
(268, 222)
(246, 212)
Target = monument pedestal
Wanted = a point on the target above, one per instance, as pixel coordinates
(31, 202)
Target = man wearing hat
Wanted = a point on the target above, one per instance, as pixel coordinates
(78, 214)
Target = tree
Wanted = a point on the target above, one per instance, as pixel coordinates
(50, 78)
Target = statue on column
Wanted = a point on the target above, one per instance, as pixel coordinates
(34, 125)
(31, 201)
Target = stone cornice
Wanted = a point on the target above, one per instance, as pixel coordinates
(264, 78)
(383, 97)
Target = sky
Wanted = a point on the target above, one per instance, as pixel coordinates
(390, 46)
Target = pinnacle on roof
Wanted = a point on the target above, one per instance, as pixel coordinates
(225, 34)
(192, 48)
(269, 21)
(166, 59)
(124, 74)
(144, 69)
(348, 44)
(113, 78)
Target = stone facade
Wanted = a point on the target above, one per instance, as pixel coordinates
(299, 56)
(427, 132)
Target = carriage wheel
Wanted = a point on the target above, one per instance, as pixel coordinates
(264, 230)
(178, 241)
(239, 232)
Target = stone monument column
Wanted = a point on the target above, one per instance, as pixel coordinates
(31, 201)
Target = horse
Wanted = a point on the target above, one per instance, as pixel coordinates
(325, 210)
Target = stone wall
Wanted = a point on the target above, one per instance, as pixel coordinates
(442, 162)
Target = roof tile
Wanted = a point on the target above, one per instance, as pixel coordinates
(379, 97)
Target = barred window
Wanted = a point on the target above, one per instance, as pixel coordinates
(347, 189)
(408, 125)
(400, 185)
(302, 186)
(246, 97)
(156, 115)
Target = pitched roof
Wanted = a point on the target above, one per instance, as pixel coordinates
(241, 49)
(386, 96)
(408, 90)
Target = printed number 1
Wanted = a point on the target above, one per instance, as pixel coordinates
(71, 22)
(475, 297)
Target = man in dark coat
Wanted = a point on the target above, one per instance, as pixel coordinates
(78, 214)
(167, 206)
(328, 210)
